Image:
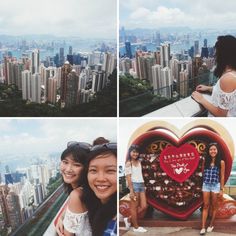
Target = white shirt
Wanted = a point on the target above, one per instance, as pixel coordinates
(135, 172)
(77, 223)
(223, 100)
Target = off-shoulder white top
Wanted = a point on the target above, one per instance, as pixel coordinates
(223, 100)
(77, 223)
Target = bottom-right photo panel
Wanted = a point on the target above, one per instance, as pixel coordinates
(177, 176)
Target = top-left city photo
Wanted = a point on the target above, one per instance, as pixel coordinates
(58, 58)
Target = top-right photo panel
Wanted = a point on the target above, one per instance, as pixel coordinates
(177, 58)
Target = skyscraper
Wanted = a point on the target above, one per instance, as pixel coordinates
(26, 85)
(35, 61)
(14, 211)
(128, 49)
(36, 88)
(196, 48)
(71, 89)
(65, 70)
(165, 55)
(61, 56)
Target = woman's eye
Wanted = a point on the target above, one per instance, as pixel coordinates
(92, 170)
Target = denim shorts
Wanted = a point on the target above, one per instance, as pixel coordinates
(138, 187)
(215, 188)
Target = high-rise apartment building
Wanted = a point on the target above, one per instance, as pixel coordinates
(72, 89)
(65, 71)
(36, 88)
(35, 61)
(26, 85)
(128, 49)
(165, 55)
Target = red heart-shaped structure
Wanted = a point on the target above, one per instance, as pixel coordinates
(179, 162)
(177, 197)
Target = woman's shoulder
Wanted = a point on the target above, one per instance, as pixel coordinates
(128, 164)
(75, 202)
(228, 83)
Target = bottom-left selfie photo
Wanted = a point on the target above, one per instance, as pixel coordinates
(58, 177)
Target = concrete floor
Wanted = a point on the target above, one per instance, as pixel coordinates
(174, 231)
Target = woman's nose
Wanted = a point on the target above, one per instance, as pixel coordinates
(100, 176)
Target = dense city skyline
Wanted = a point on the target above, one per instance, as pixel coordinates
(179, 13)
(79, 18)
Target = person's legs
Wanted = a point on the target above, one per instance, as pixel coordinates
(133, 210)
(206, 200)
(213, 206)
(142, 203)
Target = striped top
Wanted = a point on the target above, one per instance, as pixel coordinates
(211, 175)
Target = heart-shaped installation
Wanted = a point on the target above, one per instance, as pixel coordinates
(172, 168)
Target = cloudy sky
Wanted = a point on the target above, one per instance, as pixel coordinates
(128, 126)
(164, 13)
(81, 18)
(25, 136)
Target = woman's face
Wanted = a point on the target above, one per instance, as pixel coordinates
(213, 151)
(71, 170)
(134, 154)
(102, 176)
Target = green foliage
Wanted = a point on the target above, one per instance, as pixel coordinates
(137, 98)
(104, 104)
(129, 87)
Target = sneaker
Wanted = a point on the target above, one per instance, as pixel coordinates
(209, 229)
(127, 223)
(139, 230)
(203, 231)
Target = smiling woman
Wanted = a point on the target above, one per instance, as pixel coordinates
(100, 192)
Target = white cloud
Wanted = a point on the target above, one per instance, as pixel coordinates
(49, 135)
(64, 18)
(191, 13)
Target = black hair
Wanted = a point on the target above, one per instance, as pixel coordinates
(131, 148)
(99, 214)
(79, 155)
(225, 47)
(208, 157)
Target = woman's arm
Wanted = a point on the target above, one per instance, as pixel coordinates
(216, 111)
(128, 179)
(204, 88)
(222, 176)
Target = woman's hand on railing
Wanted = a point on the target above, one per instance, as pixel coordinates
(60, 227)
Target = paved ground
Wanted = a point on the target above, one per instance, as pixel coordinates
(176, 231)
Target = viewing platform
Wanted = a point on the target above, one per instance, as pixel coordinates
(186, 107)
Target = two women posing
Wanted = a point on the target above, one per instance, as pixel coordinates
(90, 177)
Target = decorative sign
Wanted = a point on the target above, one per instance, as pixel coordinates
(172, 168)
(179, 162)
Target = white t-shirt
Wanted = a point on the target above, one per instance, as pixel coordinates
(223, 100)
(77, 223)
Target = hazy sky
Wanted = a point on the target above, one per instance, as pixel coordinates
(128, 126)
(81, 18)
(22, 136)
(164, 13)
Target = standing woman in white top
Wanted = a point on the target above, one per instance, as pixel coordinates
(224, 92)
(134, 177)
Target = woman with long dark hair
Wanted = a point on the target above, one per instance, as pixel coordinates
(100, 189)
(74, 220)
(134, 177)
(224, 92)
(213, 184)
